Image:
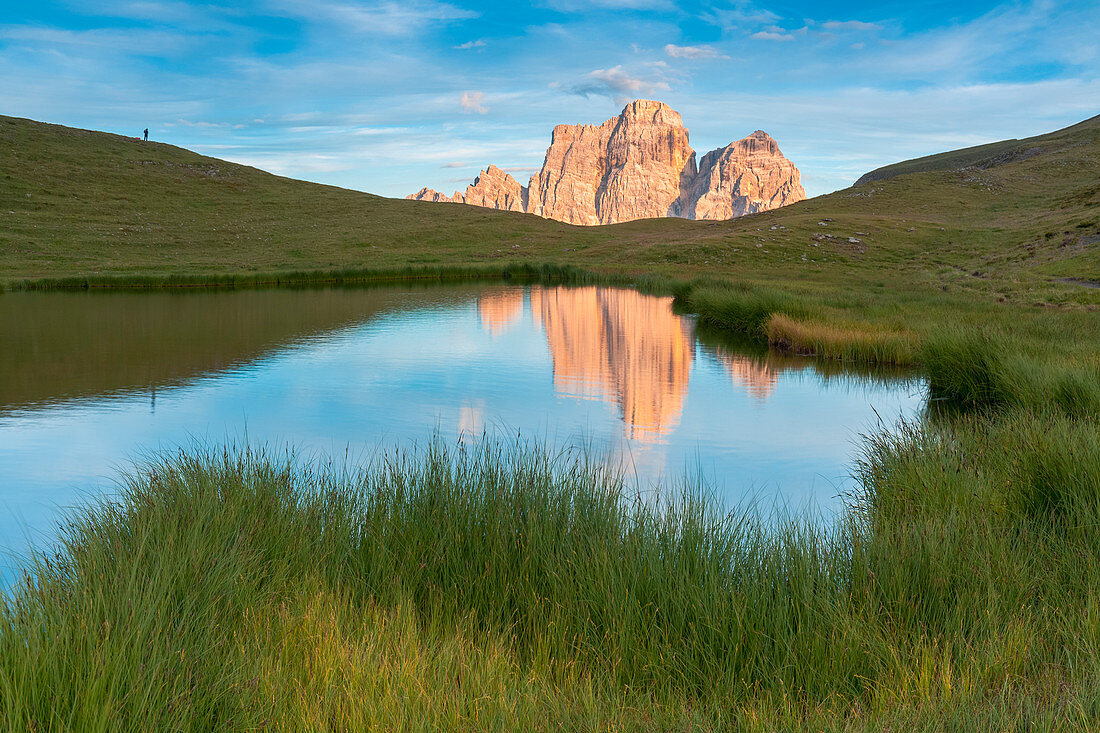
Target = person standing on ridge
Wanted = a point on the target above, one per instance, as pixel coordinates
(146, 134)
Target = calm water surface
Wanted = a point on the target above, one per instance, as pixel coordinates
(89, 381)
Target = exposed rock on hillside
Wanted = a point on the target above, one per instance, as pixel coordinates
(639, 165)
(427, 194)
(495, 189)
(744, 177)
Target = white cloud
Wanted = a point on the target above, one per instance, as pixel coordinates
(740, 14)
(189, 123)
(455, 164)
(580, 6)
(479, 43)
(850, 25)
(617, 84)
(113, 41)
(693, 52)
(381, 17)
(772, 36)
(472, 102)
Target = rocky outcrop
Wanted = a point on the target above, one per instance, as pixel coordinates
(495, 189)
(628, 168)
(427, 194)
(639, 165)
(744, 177)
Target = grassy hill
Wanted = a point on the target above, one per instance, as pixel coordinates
(985, 156)
(89, 204)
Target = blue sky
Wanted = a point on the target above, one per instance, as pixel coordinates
(390, 95)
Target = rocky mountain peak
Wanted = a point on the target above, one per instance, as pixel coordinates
(651, 112)
(639, 165)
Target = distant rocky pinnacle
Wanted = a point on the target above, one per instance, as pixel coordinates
(639, 166)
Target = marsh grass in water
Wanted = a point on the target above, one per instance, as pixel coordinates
(501, 587)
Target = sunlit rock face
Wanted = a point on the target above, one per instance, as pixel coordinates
(744, 177)
(620, 346)
(639, 165)
(495, 189)
(427, 194)
(630, 167)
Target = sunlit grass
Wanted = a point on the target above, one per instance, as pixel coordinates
(847, 343)
(497, 586)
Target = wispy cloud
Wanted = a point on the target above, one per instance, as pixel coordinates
(578, 6)
(693, 52)
(472, 102)
(200, 124)
(378, 18)
(737, 15)
(479, 43)
(112, 40)
(850, 25)
(772, 36)
(455, 164)
(617, 84)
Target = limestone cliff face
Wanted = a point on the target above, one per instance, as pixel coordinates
(565, 188)
(627, 168)
(744, 177)
(639, 165)
(427, 194)
(495, 189)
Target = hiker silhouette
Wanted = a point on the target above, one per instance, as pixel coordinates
(146, 133)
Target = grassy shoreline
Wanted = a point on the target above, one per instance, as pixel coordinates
(501, 587)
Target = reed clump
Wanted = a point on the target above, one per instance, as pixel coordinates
(864, 344)
(739, 307)
(985, 370)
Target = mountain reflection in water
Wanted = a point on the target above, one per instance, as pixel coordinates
(500, 309)
(622, 347)
(90, 381)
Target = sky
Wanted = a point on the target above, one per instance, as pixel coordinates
(388, 96)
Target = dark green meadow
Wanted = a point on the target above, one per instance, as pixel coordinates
(496, 586)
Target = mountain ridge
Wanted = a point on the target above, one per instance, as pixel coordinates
(639, 165)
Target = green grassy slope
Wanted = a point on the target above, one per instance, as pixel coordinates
(985, 156)
(74, 202)
(78, 203)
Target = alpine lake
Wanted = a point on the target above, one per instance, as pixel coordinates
(90, 382)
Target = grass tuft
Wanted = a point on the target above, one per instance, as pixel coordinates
(858, 344)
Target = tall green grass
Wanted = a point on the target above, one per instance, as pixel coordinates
(739, 307)
(972, 368)
(502, 587)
